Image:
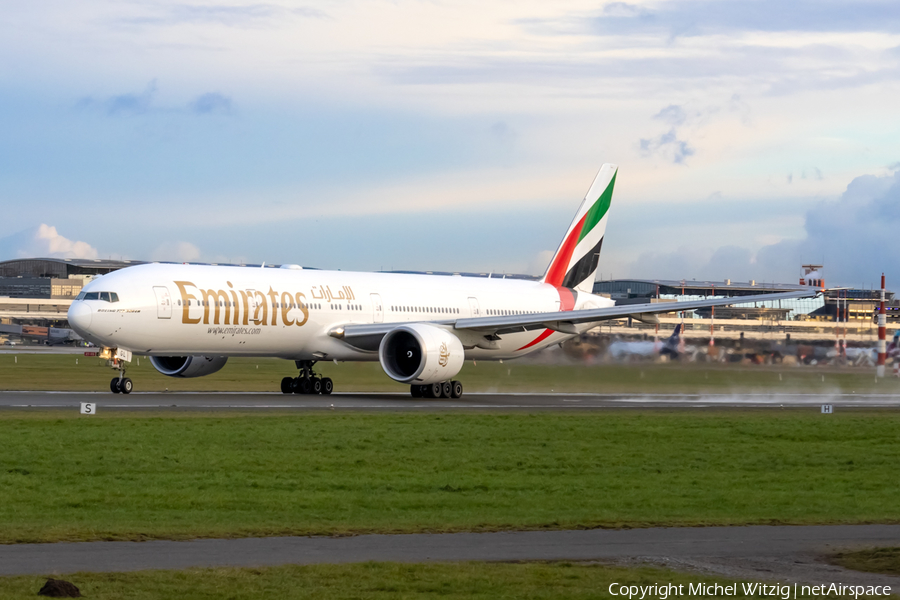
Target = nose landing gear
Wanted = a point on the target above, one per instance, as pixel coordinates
(446, 389)
(121, 385)
(116, 359)
(307, 382)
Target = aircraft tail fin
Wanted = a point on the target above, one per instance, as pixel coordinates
(576, 260)
(675, 334)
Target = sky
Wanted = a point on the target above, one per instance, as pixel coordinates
(751, 136)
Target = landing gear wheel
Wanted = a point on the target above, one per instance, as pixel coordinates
(114, 385)
(434, 390)
(287, 385)
(455, 389)
(126, 385)
(327, 385)
(303, 386)
(315, 385)
(446, 389)
(415, 391)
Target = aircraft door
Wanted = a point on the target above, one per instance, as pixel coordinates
(252, 306)
(163, 302)
(474, 308)
(377, 308)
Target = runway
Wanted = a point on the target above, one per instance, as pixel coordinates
(760, 552)
(399, 402)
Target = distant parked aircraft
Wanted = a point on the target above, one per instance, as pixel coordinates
(670, 347)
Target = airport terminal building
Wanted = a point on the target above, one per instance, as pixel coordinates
(35, 294)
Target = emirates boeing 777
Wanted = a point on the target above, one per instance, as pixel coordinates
(190, 318)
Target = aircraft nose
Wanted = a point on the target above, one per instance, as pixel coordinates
(80, 316)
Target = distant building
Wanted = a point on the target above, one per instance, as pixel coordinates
(638, 291)
(832, 305)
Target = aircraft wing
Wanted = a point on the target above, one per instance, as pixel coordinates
(368, 336)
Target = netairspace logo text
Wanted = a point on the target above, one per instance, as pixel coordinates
(662, 591)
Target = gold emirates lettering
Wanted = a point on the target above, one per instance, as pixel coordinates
(253, 306)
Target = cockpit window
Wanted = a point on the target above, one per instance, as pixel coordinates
(105, 296)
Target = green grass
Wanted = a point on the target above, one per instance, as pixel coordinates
(60, 372)
(138, 476)
(557, 580)
(873, 560)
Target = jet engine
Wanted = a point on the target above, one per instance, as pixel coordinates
(420, 354)
(188, 366)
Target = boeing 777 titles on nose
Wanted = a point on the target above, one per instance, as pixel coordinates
(190, 318)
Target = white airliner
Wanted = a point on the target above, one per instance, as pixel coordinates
(190, 318)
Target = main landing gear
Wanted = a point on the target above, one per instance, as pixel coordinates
(446, 389)
(308, 382)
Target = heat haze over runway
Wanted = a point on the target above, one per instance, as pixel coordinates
(400, 402)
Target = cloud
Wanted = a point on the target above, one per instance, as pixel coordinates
(854, 236)
(142, 103)
(44, 241)
(668, 146)
(625, 10)
(681, 117)
(122, 104)
(209, 103)
(814, 173)
(672, 114)
(176, 252)
(249, 16)
(697, 17)
(132, 103)
(857, 235)
(503, 133)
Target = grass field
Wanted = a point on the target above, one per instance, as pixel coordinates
(559, 580)
(133, 476)
(62, 372)
(873, 560)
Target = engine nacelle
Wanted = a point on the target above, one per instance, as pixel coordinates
(420, 354)
(188, 366)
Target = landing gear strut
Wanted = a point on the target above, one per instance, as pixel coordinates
(116, 359)
(446, 389)
(307, 382)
